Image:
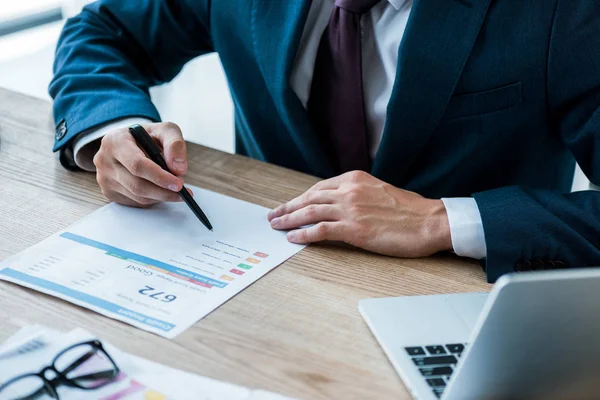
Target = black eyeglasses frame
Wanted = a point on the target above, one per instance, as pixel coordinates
(61, 379)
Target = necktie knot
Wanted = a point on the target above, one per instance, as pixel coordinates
(356, 6)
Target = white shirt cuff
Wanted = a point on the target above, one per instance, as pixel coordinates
(84, 154)
(466, 227)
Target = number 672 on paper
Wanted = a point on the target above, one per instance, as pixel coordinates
(157, 295)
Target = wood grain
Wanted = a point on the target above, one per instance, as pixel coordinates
(297, 331)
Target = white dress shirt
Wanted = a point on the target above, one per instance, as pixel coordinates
(383, 28)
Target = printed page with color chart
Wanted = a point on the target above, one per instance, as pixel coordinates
(158, 269)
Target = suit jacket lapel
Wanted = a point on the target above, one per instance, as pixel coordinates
(277, 27)
(436, 45)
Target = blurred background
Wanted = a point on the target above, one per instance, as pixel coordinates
(198, 100)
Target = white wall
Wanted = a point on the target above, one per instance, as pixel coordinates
(198, 99)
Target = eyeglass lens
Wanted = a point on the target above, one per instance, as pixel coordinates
(87, 366)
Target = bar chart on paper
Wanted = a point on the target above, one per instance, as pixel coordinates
(158, 269)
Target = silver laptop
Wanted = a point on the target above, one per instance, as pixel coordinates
(535, 336)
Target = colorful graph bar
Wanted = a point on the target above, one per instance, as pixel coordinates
(244, 266)
(252, 260)
(261, 255)
(149, 262)
(237, 272)
(174, 275)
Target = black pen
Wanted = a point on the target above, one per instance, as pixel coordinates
(145, 141)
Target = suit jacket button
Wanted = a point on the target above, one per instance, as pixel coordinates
(61, 130)
(523, 266)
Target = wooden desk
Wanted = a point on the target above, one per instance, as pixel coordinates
(297, 331)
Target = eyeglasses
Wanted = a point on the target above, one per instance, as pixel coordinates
(84, 366)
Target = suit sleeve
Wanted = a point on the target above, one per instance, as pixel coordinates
(110, 54)
(529, 229)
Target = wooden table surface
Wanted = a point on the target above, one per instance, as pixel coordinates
(296, 331)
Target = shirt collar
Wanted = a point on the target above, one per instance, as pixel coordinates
(397, 4)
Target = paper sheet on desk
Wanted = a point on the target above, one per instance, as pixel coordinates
(158, 269)
(141, 379)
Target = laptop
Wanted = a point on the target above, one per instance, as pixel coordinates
(535, 336)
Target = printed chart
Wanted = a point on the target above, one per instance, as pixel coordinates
(158, 268)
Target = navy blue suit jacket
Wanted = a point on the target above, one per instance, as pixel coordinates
(493, 99)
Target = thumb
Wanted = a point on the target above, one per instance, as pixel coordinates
(174, 149)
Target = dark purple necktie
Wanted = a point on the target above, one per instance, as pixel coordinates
(336, 105)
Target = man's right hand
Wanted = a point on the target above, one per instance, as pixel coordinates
(128, 177)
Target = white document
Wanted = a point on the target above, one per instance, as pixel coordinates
(158, 269)
(139, 379)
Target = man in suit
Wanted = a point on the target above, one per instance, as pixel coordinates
(438, 124)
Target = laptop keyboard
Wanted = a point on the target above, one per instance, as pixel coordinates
(436, 363)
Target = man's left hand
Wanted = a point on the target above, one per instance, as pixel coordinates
(363, 211)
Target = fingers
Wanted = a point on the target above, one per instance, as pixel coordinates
(135, 191)
(126, 201)
(308, 198)
(326, 205)
(170, 137)
(335, 182)
(114, 191)
(320, 193)
(127, 176)
(141, 188)
(129, 155)
(328, 184)
(123, 196)
(310, 214)
(335, 231)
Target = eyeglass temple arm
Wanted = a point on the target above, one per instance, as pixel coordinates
(97, 375)
(79, 361)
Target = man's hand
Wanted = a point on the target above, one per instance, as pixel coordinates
(365, 212)
(128, 177)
